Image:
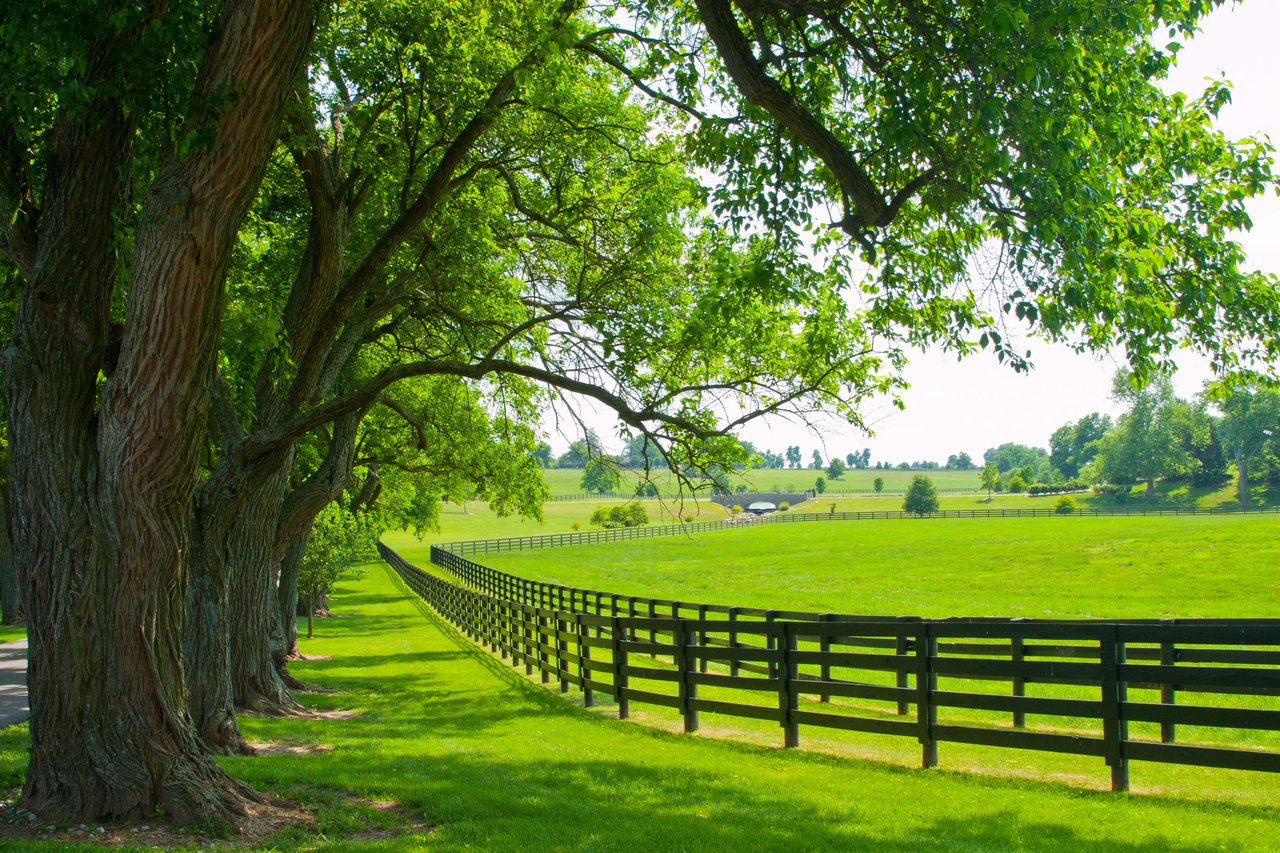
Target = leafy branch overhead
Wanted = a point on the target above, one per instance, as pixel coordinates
(995, 165)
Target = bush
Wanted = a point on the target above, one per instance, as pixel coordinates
(1016, 484)
(1056, 488)
(626, 515)
(1065, 505)
(688, 519)
(784, 506)
(922, 496)
(577, 525)
(736, 508)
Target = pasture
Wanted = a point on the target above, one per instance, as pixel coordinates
(1046, 567)
(489, 761)
(1070, 567)
(565, 481)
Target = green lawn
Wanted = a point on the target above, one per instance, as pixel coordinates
(1204, 566)
(496, 763)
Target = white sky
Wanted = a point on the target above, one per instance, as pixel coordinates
(976, 403)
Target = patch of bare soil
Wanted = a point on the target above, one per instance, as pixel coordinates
(263, 823)
(272, 748)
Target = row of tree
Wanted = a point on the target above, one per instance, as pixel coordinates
(1158, 437)
(262, 256)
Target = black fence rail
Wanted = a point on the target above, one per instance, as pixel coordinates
(622, 534)
(1115, 690)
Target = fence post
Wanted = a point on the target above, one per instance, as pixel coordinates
(926, 683)
(653, 630)
(901, 647)
(1115, 731)
(1168, 657)
(527, 628)
(702, 637)
(824, 646)
(1018, 655)
(584, 659)
(562, 665)
(544, 659)
(733, 639)
(771, 641)
(787, 674)
(619, 655)
(686, 690)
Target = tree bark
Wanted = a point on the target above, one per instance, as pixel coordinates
(102, 485)
(10, 579)
(287, 592)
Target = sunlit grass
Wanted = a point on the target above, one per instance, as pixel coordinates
(494, 762)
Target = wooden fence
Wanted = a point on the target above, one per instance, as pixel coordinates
(621, 534)
(1116, 690)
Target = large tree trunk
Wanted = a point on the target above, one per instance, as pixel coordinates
(257, 635)
(10, 580)
(287, 591)
(102, 487)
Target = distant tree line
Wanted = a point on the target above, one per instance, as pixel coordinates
(1230, 424)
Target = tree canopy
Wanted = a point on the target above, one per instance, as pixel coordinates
(247, 237)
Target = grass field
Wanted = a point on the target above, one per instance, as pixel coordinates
(564, 481)
(494, 763)
(1210, 566)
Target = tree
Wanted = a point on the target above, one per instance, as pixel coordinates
(336, 543)
(449, 215)
(581, 451)
(852, 459)
(960, 462)
(816, 464)
(866, 457)
(878, 485)
(820, 485)
(599, 477)
(1011, 455)
(922, 497)
(1250, 415)
(793, 456)
(543, 455)
(990, 478)
(836, 469)
(1146, 442)
(1073, 446)
(642, 453)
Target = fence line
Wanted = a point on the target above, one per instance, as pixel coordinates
(621, 534)
(971, 681)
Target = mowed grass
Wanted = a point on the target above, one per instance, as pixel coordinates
(493, 762)
(567, 481)
(1071, 567)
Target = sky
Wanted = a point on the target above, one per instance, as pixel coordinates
(976, 403)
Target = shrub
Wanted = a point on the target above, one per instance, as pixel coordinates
(1065, 505)
(1016, 484)
(736, 508)
(577, 525)
(626, 515)
(1055, 488)
(784, 506)
(688, 519)
(922, 496)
